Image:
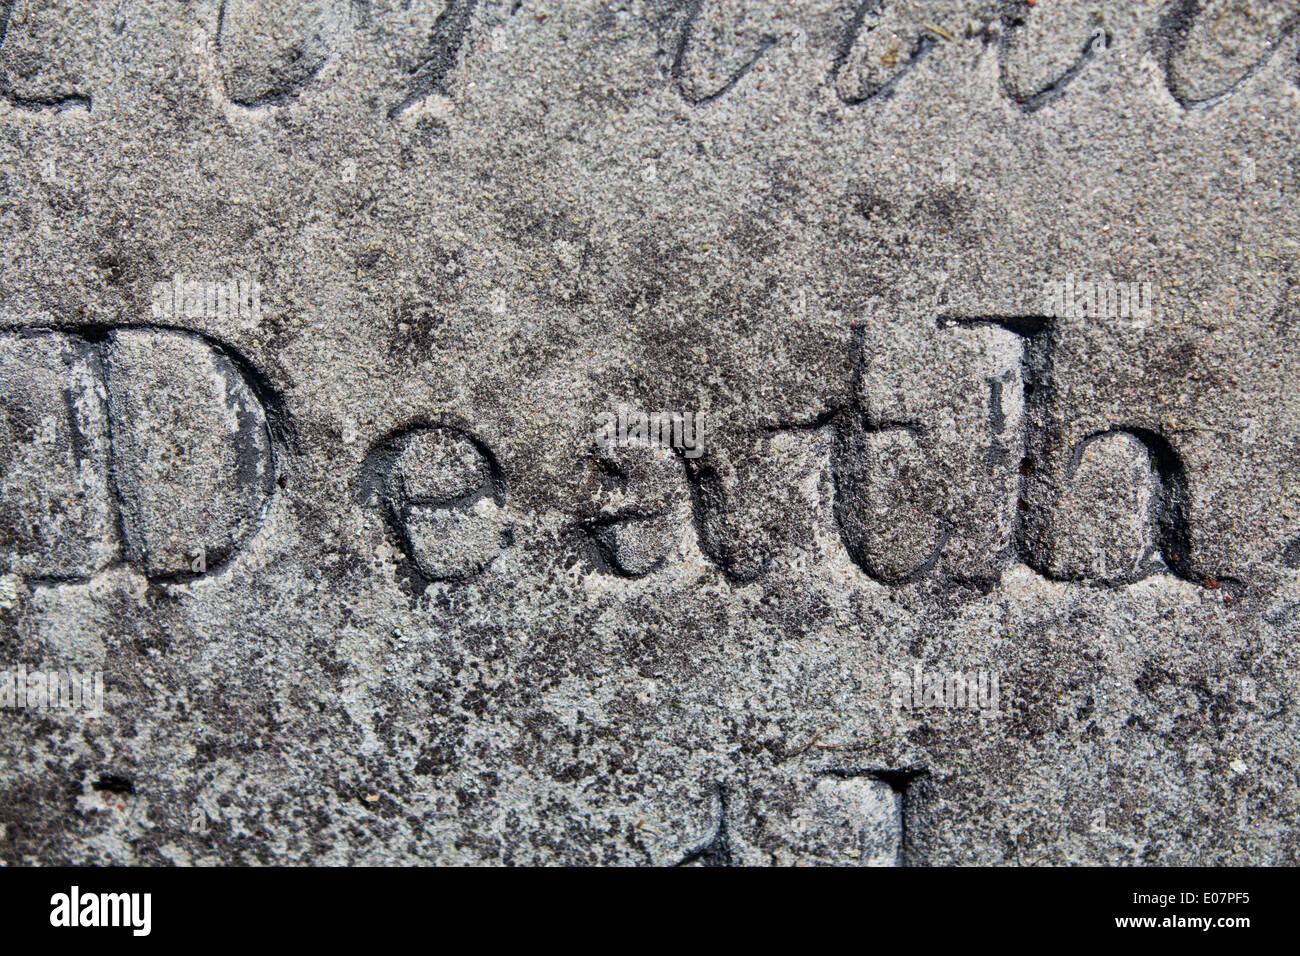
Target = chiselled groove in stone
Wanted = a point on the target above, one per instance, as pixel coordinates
(1170, 506)
(880, 802)
(923, 539)
(1032, 102)
(867, 18)
(58, 521)
(959, 454)
(744, 515)
(715, 849)
(831, 817)
(1116, 513)
(429, 75)
(687, 44)
(640, 511)
(23, 65)
(1196, 42)
(1039, 53)
(170, 438)
(192, 454)
(964, 476)
(257, 70)
(618, 542)
(442, 492)
(924, 482)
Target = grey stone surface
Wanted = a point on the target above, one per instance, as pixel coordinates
(438, 623)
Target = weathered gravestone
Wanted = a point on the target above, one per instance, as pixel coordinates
(702, 432)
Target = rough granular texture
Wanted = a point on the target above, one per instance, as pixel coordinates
(986, 312)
